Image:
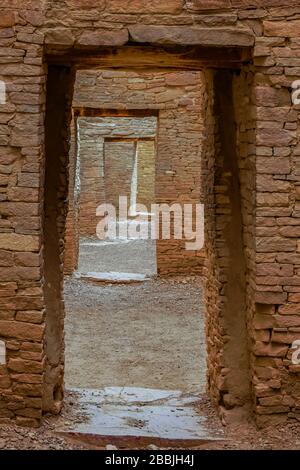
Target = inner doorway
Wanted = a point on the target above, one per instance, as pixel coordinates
(126, 326)
(115, 162)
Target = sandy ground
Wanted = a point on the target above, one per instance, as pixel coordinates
(145, 335)
(127, 256)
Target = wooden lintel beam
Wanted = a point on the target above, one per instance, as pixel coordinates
(97, 112)
(151, 57)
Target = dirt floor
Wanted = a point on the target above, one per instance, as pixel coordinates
(144, 335)
(119, 255)
(243, 437)
(148, 334)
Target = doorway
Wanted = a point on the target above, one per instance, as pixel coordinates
(220, 352)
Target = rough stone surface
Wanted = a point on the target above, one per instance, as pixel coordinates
(222, 37)
(248, 222)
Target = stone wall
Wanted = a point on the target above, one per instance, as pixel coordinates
(119, 163)
(226, 294)
(264, 36)
(146, 172)
(71, 251)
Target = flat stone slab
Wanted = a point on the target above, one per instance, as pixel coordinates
(114, 277)
(190, 35)
(136, 417)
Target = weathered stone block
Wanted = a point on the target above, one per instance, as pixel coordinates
(282, 28)
(271, 401)
(20, 330)
(30, 316)
(270, 297)
(267, 96)
(287, 321)
(28, 378)
(274, 269)
(59, 36)
(180, 79)
(218, 37)
(267, 183)
(275, 137)
(31, 390)
(29, 413)
(272, 409)
(289, 309)
(273, 244)
(17, 242)
(104, 37)
(269, 349)
(27, 259)
(7, 19)
(27, 422)
(144, 6)
(292, 232)
(8, 289)
(273, 166)
(20, 365)
(6, 258)
(273, 199)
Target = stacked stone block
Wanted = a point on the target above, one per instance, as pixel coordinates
(71, 254)
(33, 32)
(146, 173)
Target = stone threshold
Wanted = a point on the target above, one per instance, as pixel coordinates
(137, 417)
(113, 277)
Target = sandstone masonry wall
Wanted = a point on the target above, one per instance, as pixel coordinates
(146, 173)
(263, 35)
